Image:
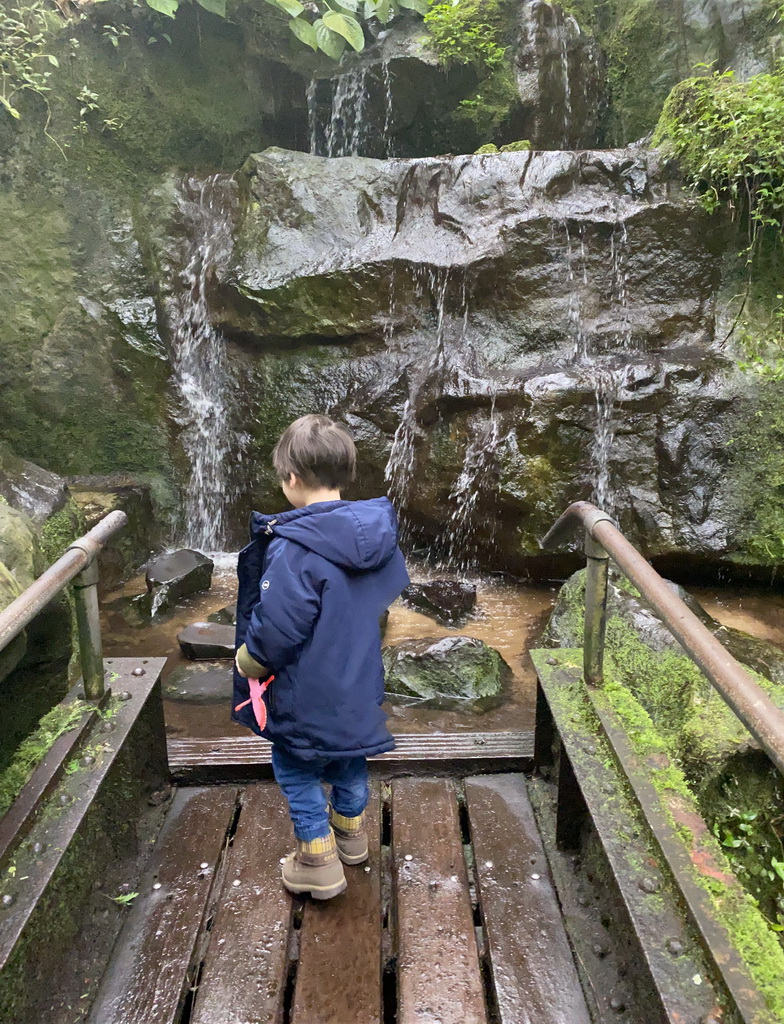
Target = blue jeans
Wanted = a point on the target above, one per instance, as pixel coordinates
(301, 785)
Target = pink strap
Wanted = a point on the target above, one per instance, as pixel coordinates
(256, 700)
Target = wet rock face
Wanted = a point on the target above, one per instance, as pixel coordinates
(455, 673)
(477, 311)
(448, 601)
(174, 576)
(224, 616)
(31, 489)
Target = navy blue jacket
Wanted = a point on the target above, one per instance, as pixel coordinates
(313, 583)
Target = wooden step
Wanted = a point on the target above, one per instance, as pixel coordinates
(199, 761)
(439, 977)
(154, 960)
(688, 985)
(534, 976)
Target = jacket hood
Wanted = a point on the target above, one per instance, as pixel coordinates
(357, 535)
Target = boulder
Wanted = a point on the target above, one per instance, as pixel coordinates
(18, 546)
(454, 673)
(32, 490)
(226, 616)
(200, 683)
(174, 576)
(206, 641)
(447, 601)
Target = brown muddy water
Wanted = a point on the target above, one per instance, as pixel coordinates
(509, 616)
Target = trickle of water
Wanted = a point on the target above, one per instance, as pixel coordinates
(567, 88)
(201, 373)
(476, 478)
(606, 384)
(346, 130)
(310, 95)
(386, 80)
(435, 284)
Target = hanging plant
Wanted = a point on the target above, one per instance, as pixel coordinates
(326, 25)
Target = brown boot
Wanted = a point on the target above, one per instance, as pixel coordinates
(350, 836)
(314, 867)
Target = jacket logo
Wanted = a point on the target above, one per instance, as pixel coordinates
(265, 585)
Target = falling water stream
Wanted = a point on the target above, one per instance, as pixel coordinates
(201, 372)
(348, 131)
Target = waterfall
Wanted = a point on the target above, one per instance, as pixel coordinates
(567, 89)
(201, 374)
(433, 284)
(348, 132)
(606, 370)
(476, 478)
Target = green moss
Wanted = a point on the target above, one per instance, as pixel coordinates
(60, 530)
(756, 473)
(479, 33)
(31, 751)
(728, 136)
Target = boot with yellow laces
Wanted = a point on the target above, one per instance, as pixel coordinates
(315, 867)
(350, 836)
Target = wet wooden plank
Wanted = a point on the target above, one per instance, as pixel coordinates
(198, 761)
(534, 974)
(245, 966)
(149, 971)
(343, 986)
(438, 963)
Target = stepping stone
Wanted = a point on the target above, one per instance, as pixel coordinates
(451, 673)
(225, 616)
(205, 682)
(172, 577)
(447, 601)
(206, 641)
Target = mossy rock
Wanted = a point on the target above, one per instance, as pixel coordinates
(454, 673)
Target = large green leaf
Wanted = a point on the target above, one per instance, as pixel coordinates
(292, 7)
(347, 27)
(329, 42)
(420, 6)
(167, 7)
(214, 6)
(381, 10)
(304, 31)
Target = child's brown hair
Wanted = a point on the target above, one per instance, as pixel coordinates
(317, 450)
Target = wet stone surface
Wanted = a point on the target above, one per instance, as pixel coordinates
(226, 616)
(447, 601)
(457, 672)
(207, 641)
(172, 577)
(201, 683)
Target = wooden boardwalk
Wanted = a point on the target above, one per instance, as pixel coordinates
(454, 920)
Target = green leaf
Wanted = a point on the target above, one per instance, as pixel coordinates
(382, 10)
(329, 42)
(420, 6)
(127, 897)
(343, 5)
(167, 7)
(347, 27)
(292, 7)
(214, 6)
(53, 60)
(305, 32)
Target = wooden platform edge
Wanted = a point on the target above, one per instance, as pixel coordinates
(232, 759)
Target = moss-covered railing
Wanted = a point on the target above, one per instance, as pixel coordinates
(604, 541)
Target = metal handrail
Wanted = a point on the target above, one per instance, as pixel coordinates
(603, 540)
(79, 563)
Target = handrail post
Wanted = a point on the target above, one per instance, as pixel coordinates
(88, 624)
(596, 580)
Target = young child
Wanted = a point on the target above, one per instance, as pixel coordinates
(313, 584)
